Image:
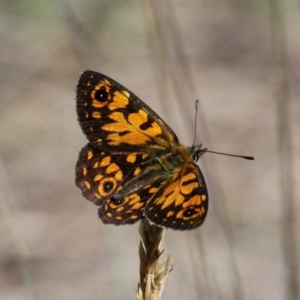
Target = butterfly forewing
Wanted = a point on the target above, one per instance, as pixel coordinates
(183, 204)
(112, 116)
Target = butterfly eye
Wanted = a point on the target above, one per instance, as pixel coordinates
(101, 95)
(195, 157)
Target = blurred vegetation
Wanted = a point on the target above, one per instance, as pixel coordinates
(239, 58)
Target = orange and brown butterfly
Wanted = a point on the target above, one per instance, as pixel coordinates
(134, 166)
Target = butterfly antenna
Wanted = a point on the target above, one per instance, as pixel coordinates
(240, 156)
(201, 151)
(195, 129)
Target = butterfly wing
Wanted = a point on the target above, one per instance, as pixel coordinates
(128, 209)
(120, 183)
(112, 117)
(183, 203)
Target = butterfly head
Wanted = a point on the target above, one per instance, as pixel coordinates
(197, 151)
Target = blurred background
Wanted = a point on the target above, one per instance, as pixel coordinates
(241, 59)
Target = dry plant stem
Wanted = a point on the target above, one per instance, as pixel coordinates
(289, 202)
(154, 269)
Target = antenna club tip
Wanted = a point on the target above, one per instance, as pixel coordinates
(249, 157)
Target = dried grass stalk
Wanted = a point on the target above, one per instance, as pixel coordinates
(154, 269)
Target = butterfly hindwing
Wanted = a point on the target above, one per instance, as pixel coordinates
(120, 183)
(129, 208)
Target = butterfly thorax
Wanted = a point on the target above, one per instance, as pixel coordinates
(171, 160)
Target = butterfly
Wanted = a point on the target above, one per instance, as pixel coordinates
(133, 166)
